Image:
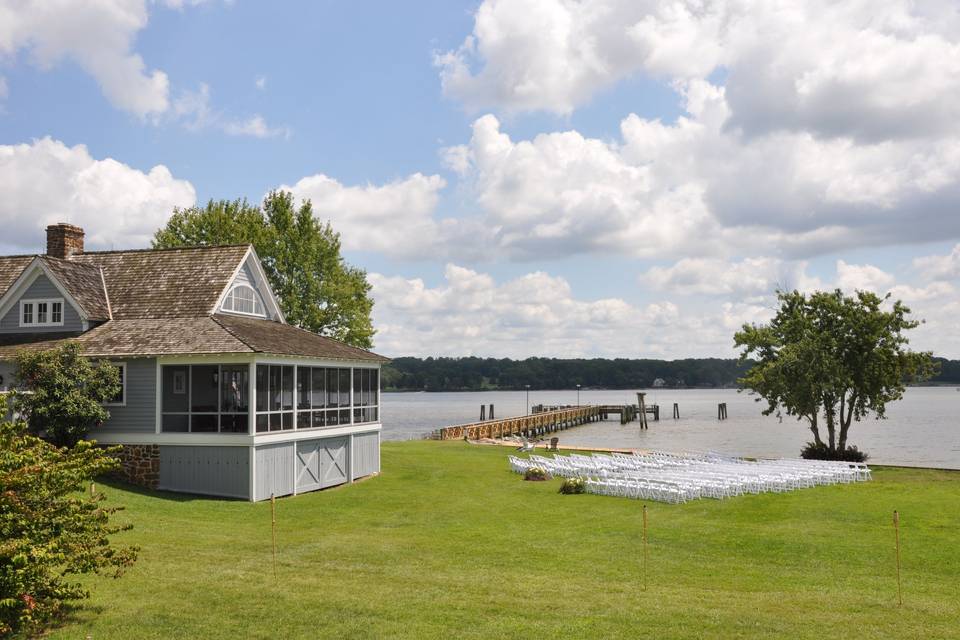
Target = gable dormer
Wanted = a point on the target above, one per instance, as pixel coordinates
(39, 302)
(249, 292)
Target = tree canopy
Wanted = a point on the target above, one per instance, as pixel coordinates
(832, 359)
(61, 393)
(317, 289)
(483, 374)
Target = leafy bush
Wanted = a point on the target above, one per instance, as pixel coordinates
(814, 451)
(536, 474)
(49, 527)
(573, 485)
(62, 393)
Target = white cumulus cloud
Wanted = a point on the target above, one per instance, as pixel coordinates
(870, 69)
(533, 314)
(118, 206)
(98, 36)
(396, 218)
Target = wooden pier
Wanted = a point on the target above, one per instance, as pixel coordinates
(535, 424)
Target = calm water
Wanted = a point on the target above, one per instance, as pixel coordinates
(922, 429)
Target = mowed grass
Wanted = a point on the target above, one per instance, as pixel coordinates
(447, 543)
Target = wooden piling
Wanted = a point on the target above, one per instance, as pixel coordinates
(643, 409)
(273, 532)
(896, 533)
(644, 547)
(483, 413)
(491, 412)
(676, 411)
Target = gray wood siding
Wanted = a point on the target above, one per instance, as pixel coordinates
(366, 454)
(215, 471)
(140, 413)
(274, 468)
(41, 288)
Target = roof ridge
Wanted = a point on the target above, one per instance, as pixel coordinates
(196, 247)
(213, 316)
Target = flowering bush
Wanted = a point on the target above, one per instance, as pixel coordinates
(573, 485)
(536, 474)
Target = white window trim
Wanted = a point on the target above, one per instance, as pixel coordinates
(50, 302)
(123, 401)
(257, 299)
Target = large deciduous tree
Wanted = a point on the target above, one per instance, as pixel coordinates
(317, 289)
(832, 359)
(61, 393)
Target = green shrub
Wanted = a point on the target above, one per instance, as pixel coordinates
(813, 451)
(536, 474)
(573, 485)
(49, 527)
(65, 392)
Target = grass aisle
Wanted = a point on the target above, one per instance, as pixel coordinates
(447, 543)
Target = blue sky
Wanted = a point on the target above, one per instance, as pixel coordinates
(535, 177)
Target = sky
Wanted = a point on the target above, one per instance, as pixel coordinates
(609, 178)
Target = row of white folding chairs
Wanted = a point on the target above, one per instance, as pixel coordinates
(657, 491)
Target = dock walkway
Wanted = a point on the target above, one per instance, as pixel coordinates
(535, 424)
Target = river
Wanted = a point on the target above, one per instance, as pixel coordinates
(922, 429)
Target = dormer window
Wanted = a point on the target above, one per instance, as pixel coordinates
(243, 299)
(41, 313)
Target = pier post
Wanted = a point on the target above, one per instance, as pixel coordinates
(483, 413)
(491, 411)
(676, 411)
(643, 409)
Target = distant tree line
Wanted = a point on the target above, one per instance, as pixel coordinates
(488, 374)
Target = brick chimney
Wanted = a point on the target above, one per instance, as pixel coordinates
(64, 240)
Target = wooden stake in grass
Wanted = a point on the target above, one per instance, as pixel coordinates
(273, 532)
(93, 490)
(896, 532)
(644, 547)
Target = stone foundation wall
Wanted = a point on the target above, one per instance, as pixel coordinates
(140, 465)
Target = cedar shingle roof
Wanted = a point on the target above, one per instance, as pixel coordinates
(142, 337)
(266, 336)
(10, 343)
(84, 282)
(10, 269)
(165, 283)
(161, 301)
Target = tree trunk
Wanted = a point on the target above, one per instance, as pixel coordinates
(831, 430)
(845, 421)
(815, 431)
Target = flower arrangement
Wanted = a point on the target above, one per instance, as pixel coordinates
(573, 485)
(536, 474)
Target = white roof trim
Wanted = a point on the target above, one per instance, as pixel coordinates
(270, 300)
(26, 278)
(106, 294)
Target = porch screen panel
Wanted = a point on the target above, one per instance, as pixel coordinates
(366, 395)
(205, 398)
(234, 398)
(275, 404)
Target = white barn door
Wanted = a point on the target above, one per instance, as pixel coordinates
(333, 464)
(308, 466)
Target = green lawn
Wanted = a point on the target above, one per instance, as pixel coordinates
(447, 543)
